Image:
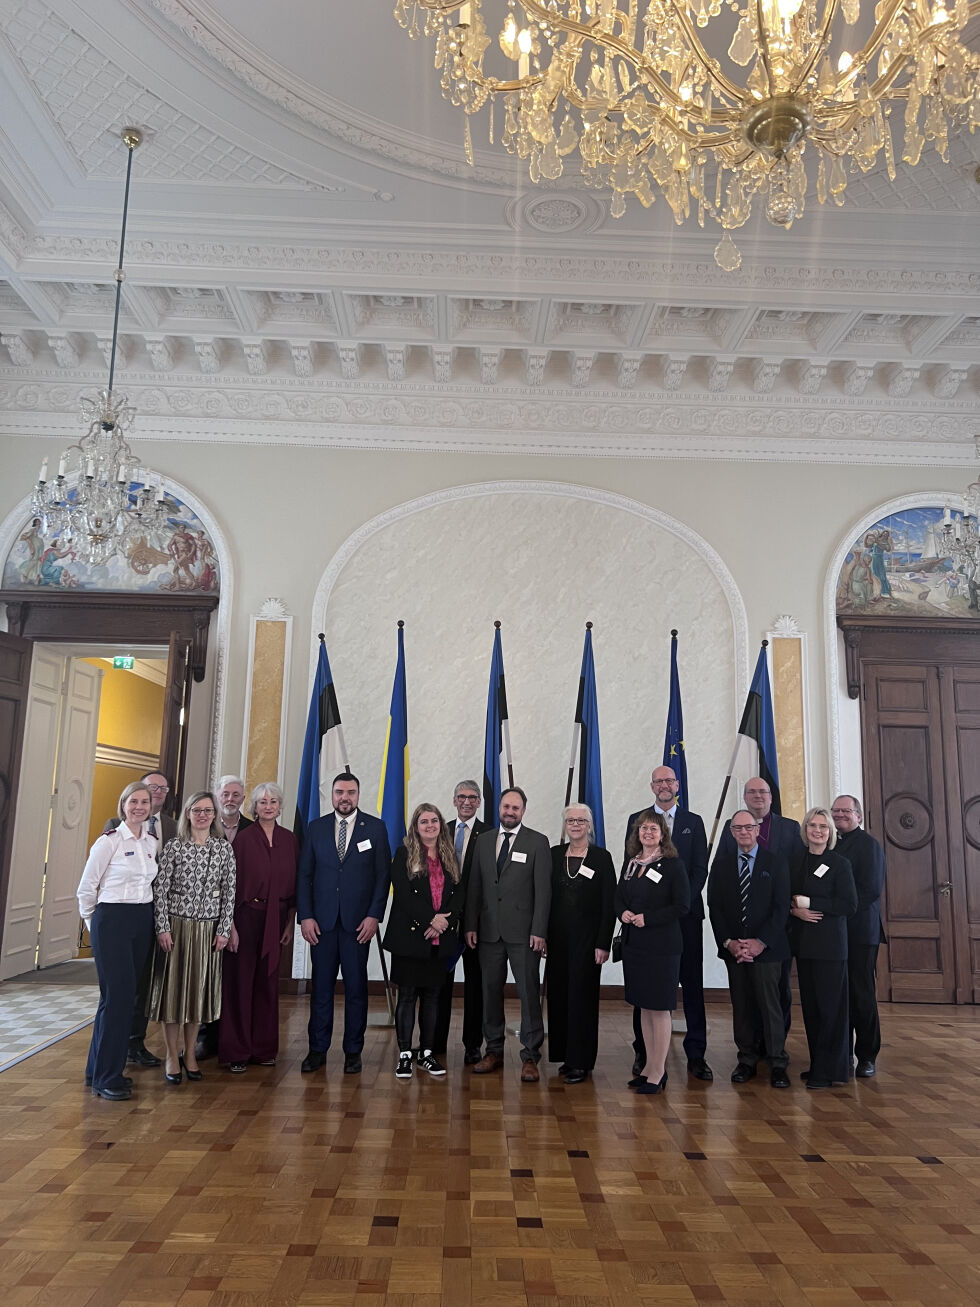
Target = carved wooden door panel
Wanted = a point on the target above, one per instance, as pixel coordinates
(960, 696)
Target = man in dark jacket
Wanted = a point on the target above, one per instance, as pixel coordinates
(464, 831)
(748, 905)
(864, 930)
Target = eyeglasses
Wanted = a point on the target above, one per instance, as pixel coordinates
(576, 821)
(159, 789)
(741, 830)
(202, 812)
(467, 798)
(843, 812)
(761, 793)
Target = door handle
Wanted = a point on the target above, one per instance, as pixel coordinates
(945, 887)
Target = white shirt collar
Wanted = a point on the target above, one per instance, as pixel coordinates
(338, 817)
(666, 812)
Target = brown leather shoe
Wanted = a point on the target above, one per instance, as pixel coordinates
(529, 1073)
(489, 1062)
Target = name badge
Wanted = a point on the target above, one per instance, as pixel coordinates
(655, 876)
(130, 853)
(587, 872)
(821, 870)
(518, 857)
(363, 846)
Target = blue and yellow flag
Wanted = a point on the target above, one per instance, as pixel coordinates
(393, 789)
(675, 755)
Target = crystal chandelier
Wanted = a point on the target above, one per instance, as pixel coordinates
(650, 93)
(101, 500)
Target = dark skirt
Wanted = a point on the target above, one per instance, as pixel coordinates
(420, 973)
(650, 979)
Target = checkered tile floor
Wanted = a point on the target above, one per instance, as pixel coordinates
(37, 1013)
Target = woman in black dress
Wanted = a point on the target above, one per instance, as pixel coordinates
(823, 897)
(583, 885)
(653, 894)
(422, 934)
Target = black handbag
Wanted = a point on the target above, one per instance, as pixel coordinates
(616, 951)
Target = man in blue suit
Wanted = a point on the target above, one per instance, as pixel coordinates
(341, 891)
(687, 833)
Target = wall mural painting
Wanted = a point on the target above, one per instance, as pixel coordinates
(924, 561)
(177, 559)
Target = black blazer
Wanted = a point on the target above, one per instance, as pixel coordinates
(867, 859)
(411, 912)
(834, 895)
(662, 903)
(594, 894)
(784, 838)
(478, 828)
(691, 844)
(767, 907)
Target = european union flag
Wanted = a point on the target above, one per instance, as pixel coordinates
(675, 755)
(393, 789)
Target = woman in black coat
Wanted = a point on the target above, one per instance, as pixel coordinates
(422, 934)
(823, 897)
(583, 885)
(653, 894)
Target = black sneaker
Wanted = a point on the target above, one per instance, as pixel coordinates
(428, 1063)
(403, 1071)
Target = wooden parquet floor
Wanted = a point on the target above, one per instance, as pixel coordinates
(277, 1188)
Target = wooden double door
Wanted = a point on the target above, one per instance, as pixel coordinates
(920, 717)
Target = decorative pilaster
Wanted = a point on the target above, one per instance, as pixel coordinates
(266, 690)
(787, 644)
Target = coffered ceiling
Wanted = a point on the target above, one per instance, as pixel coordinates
(310, 258)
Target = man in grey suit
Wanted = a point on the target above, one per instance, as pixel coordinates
(507, 906)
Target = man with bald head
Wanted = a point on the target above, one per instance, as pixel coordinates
(687, 832)
(864, 931)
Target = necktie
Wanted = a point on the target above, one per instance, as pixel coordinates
(504, 853)
(744, 877)
(669, 819)
(460, 836)
(342, 840)
(153, 826)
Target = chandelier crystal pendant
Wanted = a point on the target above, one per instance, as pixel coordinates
(102, 502)
(653, 97)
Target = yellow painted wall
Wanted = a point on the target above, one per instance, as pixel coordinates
(107, 785)
(130, 717)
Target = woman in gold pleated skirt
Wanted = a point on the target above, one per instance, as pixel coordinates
(193, 903)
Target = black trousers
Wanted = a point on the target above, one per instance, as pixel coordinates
(572, 987)
(692, 995)
(754, 991)
(428, 1007)
(863, 1000)
(472, 1005)
(122, 937)
(823, 998)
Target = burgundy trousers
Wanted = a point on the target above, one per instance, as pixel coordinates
(249, 994)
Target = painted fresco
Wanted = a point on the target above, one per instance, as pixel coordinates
(922, 561)
(179, 558)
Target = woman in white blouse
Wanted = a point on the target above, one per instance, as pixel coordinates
(115, 899)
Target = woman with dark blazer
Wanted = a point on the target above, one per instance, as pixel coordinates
(583, 886)
(423, 932)
(653, 893)
(823, 897)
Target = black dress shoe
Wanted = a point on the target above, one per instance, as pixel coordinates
(113, 1095)
(649, 1088)
(140, 1055)
(352, 1064)
(127, 1081)
(865, 1069)
(191, 1075)
(805, 1075)
(574, 1075)
(638, 1064)
(699, 1069)
(778, 1078)
(313, 1061)
(636, 1082)
(812, 1083)
(564, 1069)
(742, 1073)
(472, 1056)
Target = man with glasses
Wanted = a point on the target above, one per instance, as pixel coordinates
(778, 835)
(161, 825)
(687, 833)
(864, 929)
(464, 829)
(748, 905)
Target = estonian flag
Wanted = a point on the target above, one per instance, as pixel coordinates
(393, 789)
(324, 750)
(585, 768)
(674, 750)
(756, 746)
(496, 748)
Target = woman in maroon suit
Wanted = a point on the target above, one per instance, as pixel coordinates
(266, 856)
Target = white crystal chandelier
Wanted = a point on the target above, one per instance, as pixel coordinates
(102, 501)
(651, 95)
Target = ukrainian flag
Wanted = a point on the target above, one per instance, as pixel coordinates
(393, 790)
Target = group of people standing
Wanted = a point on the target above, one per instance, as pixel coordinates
(185, 929)
(218, 893)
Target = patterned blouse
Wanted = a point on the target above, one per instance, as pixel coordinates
(195, 881)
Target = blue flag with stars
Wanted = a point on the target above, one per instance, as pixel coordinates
(674, 753)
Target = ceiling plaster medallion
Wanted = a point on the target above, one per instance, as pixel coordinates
(552, 214)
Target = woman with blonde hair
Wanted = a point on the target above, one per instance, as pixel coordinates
(193, 902)
(422, 934)
(115, 900)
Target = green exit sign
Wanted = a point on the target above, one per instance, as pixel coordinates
(123, 663)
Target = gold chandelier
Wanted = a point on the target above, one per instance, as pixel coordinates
(651, 104)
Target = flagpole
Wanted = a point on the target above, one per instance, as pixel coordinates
(728, 781)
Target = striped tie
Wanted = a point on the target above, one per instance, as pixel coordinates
(342, 840)
(460, 836)
(744, 877)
